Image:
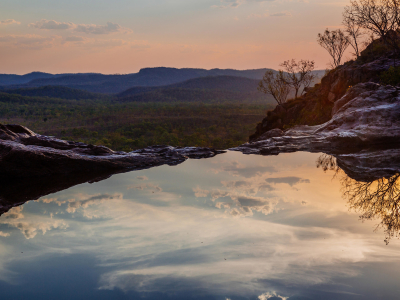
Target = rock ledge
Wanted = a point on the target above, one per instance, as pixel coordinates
(24, 153)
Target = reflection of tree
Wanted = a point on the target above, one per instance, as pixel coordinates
(375, 199)
(328, 163)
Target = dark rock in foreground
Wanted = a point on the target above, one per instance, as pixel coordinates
(365, 119)
(24, 153)
(33, 165)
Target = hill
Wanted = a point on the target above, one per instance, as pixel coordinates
(204, 89)
(227, 83)
(11, 79)
(113, 84)
(209, 89)
(60, 92)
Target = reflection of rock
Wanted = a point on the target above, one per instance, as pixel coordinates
(367, 115)
(14, 192)
(368, 165)
(33, 165)
(365, 165)
(24, 154)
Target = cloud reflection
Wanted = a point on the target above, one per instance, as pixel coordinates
(288, 180)
(195, 248)
(252, 193)
(14, 218)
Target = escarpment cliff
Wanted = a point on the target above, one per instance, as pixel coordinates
(317, 105)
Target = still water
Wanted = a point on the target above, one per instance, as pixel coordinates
(228, 227)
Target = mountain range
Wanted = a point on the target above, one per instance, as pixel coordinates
(150, 84)
(111, 84)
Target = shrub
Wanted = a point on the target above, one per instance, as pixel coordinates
(391, 76)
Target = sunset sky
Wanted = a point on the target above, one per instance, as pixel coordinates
(123, 36)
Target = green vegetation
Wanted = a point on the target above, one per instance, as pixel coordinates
(131, 125)
(169, 95)
(391, 76)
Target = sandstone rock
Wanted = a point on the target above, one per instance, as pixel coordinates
(280, 110)
(310, 109)
(24, 153)
(272, 133)
(33, 165)
(331, 97)
(368, 115)
(358, 90)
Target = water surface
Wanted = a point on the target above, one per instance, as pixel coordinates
(228, 227)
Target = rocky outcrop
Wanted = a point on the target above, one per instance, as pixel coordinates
(315, 107)
(24, 153)
(33, 165)
(335, 84)
(368, 115)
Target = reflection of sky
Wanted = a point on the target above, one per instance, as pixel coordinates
(230, 227)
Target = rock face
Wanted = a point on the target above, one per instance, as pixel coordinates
(368, 115)
(335, 84)
(315, 107)
(24, 153)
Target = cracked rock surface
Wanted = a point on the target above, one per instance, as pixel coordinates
(367, 115)
(33, 165)
(24, 153)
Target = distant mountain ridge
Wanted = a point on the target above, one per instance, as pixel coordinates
(146, 80)
(110, 84)
(11, 79)
(226, 83)
(60, 92)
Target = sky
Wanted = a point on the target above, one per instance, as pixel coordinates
(123, 36)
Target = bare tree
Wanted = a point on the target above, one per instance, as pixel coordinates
(275, 85)
(298, 74)
(335, 42)
(354, 32)
(381, 17)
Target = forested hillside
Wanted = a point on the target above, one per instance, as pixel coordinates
(131, 125)
(56, 92)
